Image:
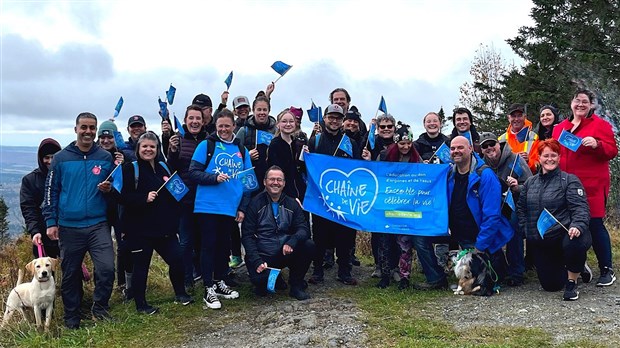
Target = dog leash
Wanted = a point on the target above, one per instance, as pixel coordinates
(41, 250)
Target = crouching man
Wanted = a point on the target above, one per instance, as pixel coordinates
(275, 234)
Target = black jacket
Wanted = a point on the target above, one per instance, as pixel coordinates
(426, 146)
(328, 145)
(262, 236)
(564, 197)
(281, 154)
(31, 195)
(180, 160)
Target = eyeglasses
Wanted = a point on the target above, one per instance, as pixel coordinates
(275, 179)
(488, 144)
(384, 126)
(581, 102)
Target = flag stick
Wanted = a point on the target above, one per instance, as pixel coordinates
(243, 171)
(274, 82)
(340, 142)
(512, 169)
(374, 120)
(275, 269)
(556, 220)
(162, 186)
(118, 165)
(434, 153)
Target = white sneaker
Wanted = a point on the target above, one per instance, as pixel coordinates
(222, 290)
(210, 299)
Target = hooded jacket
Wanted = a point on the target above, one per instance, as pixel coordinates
(247, 137)
(72, 198)
(180, 160)
(285, 156)
(426, 146)
(484, 199)
(475, 138)
(590, 165)
(32, 191)
(504, 167)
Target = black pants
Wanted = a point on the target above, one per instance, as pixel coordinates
(327, 233)
(387, 253)
(235, 239)
(298, 263)
(142, 251)
(74, 243)
(123, 257)
(214, 246)
(553, 257)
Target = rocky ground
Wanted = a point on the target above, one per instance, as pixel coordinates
(325, 321)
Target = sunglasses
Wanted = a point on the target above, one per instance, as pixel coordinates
(384, 126)
(488, 144)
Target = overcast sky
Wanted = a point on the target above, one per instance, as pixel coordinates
(59, 58)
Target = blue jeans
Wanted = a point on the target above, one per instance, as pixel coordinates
(189, 237)
(601, 243)
(426, 254)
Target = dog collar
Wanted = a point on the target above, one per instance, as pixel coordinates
(462, 253)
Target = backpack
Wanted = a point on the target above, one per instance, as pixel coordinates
(211, 149)
(136, 171)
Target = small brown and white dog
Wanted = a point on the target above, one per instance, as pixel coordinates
(471, 269)
(38, 294)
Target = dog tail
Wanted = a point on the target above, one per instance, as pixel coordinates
(20, 276)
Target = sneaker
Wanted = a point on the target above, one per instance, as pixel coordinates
(607, 277)
(148, 310)
(210, 299)
(347, 280)
(236, 262)
(183, 299)
(222, 290)
(440, 285)
(586, 274)
(377, 272)
(197, 277)
(570, 291)
(101, 315)
(383, 283)
(403, 284)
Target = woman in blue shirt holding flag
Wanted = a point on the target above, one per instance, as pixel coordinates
(221, 197)
(554, 215)
(150, 220)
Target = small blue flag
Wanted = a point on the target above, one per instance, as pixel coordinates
(522, 134)
(271, 281)
(371, 135)
(516, 167)
(315, 113)
(382, 106)
(510, 200)
(163, 109)
(545, 221)
(118, 107)
(176, 187)
(228, 80)
(170, 94)
(248, 179)
(120, 142)
(263, 137)
(468, 136)
(281, 67)
(345, 145)
(179, 126)
(117, 178)
(569, 140)
(443, 153)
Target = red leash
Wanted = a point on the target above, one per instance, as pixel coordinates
(41, 250)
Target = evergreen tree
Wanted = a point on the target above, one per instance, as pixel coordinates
(4, 222)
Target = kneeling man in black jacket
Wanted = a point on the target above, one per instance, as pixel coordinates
(275, 234)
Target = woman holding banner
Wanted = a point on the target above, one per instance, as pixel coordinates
(590, 163)
(150, 221)
(554, 215)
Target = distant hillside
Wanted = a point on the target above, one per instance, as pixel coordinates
(15, 162)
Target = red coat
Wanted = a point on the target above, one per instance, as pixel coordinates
(590, 165)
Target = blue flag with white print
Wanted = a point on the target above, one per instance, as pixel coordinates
(117, 178)
(443, 153)
(271, 281)
(119, 141)
(176, 187)
(468, 136)
(315, 113)
(228, 80)
(371, 135)
(163, 109)
(281, 67)
(546, 220)
(382, 106)
(522, 134)
(263, 137)
(119, 106)
(248, 179)
(510, 200)
(345, 145)
(179, 126)
(516, 167)
(170, 94)
(569, 140)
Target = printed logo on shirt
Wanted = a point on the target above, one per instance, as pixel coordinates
(580, 192)
(96, 170)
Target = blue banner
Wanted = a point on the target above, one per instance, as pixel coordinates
(263, 137)
(390, 197)
(248, 179)
(345, 145)
(443, 153)
(176, 187)
(569, 140)
(545, 221)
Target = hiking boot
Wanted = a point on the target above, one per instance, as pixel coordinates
(236, 262)
(440, 285)
(183, 299)
(101, 314)
(347, 280)
(280, 283)
(315, 279)
(376, 273)
(383, 283)
(570, 291)
(222, 290)
(298, 293)
(328, 259)
(210, 298)
(586, 274)
(148, 310)
(607, 277)
(403, 284)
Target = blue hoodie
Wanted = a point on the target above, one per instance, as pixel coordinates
(72, 198)
(484, 199)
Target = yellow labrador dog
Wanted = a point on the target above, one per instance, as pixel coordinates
(38, 294)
